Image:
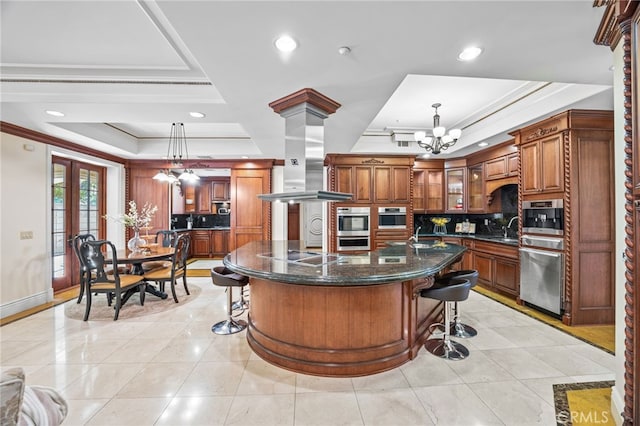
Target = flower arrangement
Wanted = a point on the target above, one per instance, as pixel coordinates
(133, 218)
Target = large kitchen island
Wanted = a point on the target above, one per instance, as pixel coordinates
(340, 315)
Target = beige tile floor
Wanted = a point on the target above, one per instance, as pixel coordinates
(170, 369)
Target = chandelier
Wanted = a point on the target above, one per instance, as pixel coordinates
(177, 146)
(441, 140)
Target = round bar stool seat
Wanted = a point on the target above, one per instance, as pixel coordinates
(224, 277)
(455, 291)
(458, 329)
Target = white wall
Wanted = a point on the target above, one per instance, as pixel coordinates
(25, 206)
(25, 265)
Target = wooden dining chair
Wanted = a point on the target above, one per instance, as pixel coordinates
(77, 241)
(177, 269)
(164, 238)
(104, 279)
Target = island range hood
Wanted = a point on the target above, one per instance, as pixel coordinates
(304, 113)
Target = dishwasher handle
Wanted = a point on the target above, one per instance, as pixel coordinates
(542, 252)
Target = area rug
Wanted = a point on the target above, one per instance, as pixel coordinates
(100, 311)
(587, 403)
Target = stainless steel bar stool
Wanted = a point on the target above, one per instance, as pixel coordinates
(456, 290)
(226, 278)
(458, 329)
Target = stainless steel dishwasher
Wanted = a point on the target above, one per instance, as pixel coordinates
(542, 272)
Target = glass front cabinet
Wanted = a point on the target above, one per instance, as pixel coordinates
(475, 188)
(454, 189)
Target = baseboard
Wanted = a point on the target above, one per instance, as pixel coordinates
(21, 305)
(617, 405)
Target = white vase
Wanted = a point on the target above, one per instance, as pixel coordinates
(135, 244)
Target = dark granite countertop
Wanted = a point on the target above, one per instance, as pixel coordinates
(213, 228)
(284, 261)
(511, 241)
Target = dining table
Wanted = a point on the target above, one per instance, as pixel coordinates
(137, 258)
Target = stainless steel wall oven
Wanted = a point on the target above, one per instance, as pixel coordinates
(392, 217)
(354, 228)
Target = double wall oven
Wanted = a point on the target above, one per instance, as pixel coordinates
(354, 228)
(542, 256)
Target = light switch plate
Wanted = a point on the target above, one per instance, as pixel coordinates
(26, 235)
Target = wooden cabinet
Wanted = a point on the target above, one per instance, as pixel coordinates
(501, 167)
(189, 198)
(251, 217)
(382, 236)
(512, 164)
(392, 184)
(498, 267)
(201, 243)
(220, 243)
(454, 190)
(571, 156)
(210, 243)
(428, 188)
(475, 188)
(356, 180)
(543, 165)
(203, 198)
(220, 190)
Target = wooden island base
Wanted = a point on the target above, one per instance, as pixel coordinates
(339, 331)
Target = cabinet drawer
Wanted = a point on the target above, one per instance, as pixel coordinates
(496, 249)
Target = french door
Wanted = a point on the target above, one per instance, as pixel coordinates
(77, 205)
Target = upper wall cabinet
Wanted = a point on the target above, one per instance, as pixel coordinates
(372, 180)
(475, 188)
(454, 190)
(542, 165)
(428, 187)
(220, 190)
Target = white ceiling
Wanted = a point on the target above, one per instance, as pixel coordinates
(123, 70)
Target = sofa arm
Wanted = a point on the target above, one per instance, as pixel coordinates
(11, 394)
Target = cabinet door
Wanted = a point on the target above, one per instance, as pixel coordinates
(220, 190)
(512, 164)
(483, 263)
(362, 191)
(475, 189)
(201, 241)
(507, 276)
(454, 187)
(530, 177)
(401, 179)
(220, 243)
(189, 198)
(419, 204)
(552, 164)
(434, 187)
(203, 203)
(382, 184)
(496, 168)
(345, 179)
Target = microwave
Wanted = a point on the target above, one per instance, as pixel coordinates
(392, 217)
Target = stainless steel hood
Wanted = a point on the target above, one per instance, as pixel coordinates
(304, 113)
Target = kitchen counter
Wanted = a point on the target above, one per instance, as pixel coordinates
(213, 228)
(340, 315)
(511, 241)
(284, 261)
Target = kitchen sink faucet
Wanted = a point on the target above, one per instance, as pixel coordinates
(506, 228)
(414, 237)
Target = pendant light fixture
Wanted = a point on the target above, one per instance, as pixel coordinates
(441, 140)
(177, 147)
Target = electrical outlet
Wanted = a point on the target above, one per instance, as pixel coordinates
(486, 222)
(26, 235)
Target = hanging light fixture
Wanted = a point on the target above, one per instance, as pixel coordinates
(177, 146)
(441, 140)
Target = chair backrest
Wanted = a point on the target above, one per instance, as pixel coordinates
(92, 255)
(77, 242)
(182, 251)
(166, 238)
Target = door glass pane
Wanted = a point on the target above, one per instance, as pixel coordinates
(58, 213)
(58, 221)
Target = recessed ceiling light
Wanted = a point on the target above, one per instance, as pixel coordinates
(426, 155)
(286, 44)
(483, 144)
(54, 113)
(245, 156)
(196, 114)
(469, 53)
